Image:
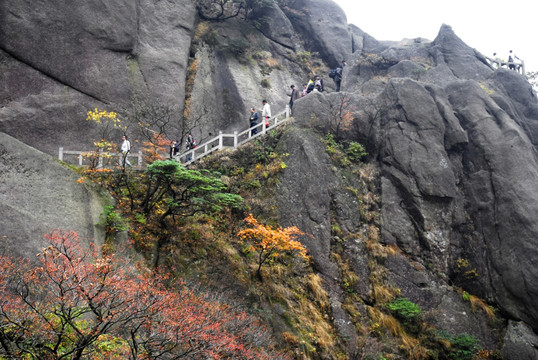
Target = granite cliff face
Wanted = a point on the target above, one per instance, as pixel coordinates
(58, 60)
(453, 140)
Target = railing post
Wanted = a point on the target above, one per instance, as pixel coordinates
(287, 111)
(140, 158)
(61, 154)
(100, 161)
(264, 126)
(221, 140)
(235, 140)
(80, 159)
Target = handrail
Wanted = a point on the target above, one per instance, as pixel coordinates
(100, 161)
(236, 139)
(218, 142)
(500, 63)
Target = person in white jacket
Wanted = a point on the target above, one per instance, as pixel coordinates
(266, 112)
(125, 149)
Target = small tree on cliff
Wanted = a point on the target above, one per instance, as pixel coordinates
(180, 191)
(108, 124)
(271, 242)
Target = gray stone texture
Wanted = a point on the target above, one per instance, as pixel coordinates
(455, 140)
(39, 195)
(64, 58)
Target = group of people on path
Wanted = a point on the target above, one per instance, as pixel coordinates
(254, 117)
(175, 146)
(315, 84)
(513, 60)
(175, 149)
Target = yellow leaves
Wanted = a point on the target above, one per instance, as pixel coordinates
(104, 117)
(99, 115)
(81, 180)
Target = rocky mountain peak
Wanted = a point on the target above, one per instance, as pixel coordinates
(452, 139)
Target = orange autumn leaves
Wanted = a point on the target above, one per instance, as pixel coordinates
(271, 242)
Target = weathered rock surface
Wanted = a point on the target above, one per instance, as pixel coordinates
(459, 175)
(64, 59)
(455, 140)
(324, 29)
(39, 195)
(520, 343)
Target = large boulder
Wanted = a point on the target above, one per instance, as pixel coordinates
(323, 27)
(38, 194)
(459, 173)
(501, 185)
(64, 59)
(520, 343)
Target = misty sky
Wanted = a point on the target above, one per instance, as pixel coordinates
(488, 26)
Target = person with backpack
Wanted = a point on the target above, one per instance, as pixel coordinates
(190, 143)
(512, 60)
(336, 75)
(309, 86)
(125, 150)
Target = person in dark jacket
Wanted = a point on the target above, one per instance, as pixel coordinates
(174, 148)
(338, 77)
(294, 96)
(253, 121)
(190, 143)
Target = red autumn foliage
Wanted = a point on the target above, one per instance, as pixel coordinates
(155, 147)
(77, 303)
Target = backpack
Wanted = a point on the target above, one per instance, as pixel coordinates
(191, 142)
(332, 73)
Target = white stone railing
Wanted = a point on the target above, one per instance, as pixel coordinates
(232, 141)
(113, 157)
(222, 141)
(498, 63)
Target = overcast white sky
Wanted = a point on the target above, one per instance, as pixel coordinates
(488, 26)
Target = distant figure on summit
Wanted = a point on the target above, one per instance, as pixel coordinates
(512, 57)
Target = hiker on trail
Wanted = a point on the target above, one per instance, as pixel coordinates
(309, 86)
(266, 112)
(174, 148)
(125, 149)
(498, 60)
(294, 96)
(253, 121)
(190, 143)
(318, 83)
(338, 76)
(304, 91)
(512, 60)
